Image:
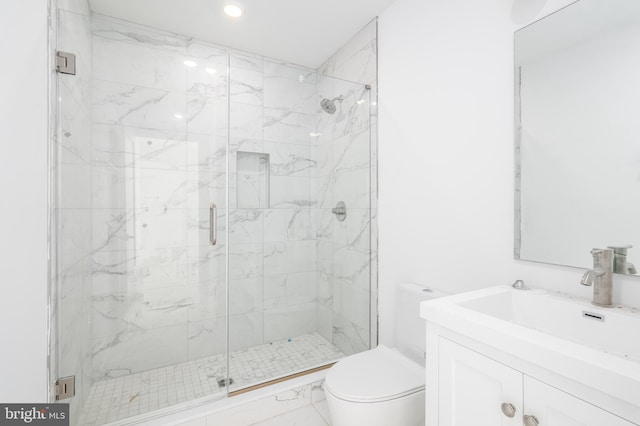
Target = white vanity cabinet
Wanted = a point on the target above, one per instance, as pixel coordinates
(475, 390)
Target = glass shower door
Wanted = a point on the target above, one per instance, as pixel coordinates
(299, 274)
(139, 159)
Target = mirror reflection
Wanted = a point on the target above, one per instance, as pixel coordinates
(577, 135)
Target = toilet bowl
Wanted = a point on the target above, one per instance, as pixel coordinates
(380, 387)
(385, 386)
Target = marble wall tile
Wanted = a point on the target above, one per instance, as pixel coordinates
(207, 109)
(289, 256)
(120, 354)
(287, 159)
(281, 69)
(353, 187)
(352, 152)
(289, 289)
(245, 330)
(243, 144)
(324, 153)
(204, 188)
(113, 229)
(208, 301)
(291, 321)
(297, 223)
(207, 53)
(350, 337)
(246, 295)
(207, 338)
(139, 310)
(117, 29)
(247, 86)
(351, 264)
(246, 260)
(246, 61)
(324, 226)
(288, 126)
(246, 226)
(207, 153)
(355, 231)
(287, 94)
(139, 188)
(125, 104)
(118, 271)
(290, 191)
(324, 322)
(245, 121)
(111, 271)
(138, 64)
(207, 264)
(123, 146)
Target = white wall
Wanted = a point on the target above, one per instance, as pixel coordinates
(23, 218)
(446, 153)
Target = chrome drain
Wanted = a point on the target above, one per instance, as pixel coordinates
(224, 382)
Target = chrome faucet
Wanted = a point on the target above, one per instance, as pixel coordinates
(601, 277)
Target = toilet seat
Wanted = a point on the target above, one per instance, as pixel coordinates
(377, 375)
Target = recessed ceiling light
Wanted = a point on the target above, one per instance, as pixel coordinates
(314, 135)
(360, 101)
(210, 70)
(178, 116)
(233, 10)
(190, 63)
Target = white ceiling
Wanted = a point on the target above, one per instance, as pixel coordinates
(304, 32)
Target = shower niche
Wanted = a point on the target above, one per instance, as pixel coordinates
(252, 180)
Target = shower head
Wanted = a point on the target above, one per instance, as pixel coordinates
(329, 105)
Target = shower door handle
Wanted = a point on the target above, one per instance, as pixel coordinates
(213, 224)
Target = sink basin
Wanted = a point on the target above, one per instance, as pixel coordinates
(549, 332)
(611, 330)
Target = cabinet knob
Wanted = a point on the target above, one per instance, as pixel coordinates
(530, 421)
(508, 409)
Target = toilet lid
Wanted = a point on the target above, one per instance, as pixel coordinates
(376, 375)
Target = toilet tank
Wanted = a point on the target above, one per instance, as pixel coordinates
(411, 330)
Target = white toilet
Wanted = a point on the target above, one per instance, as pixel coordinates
(384, 386)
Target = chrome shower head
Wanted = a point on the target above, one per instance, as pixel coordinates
(329, 105)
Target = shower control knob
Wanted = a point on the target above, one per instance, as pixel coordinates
(530, 421)
(340, 210)
(508, 409)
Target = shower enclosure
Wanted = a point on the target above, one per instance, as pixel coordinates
(197, 250)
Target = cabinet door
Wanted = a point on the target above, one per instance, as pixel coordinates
(553, 407)
(472, 388)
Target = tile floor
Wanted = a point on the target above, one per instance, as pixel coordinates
(118, 398)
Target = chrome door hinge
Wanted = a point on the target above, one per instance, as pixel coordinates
(66, 63)
(65, 387)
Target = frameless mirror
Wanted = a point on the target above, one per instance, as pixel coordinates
(578, 135)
